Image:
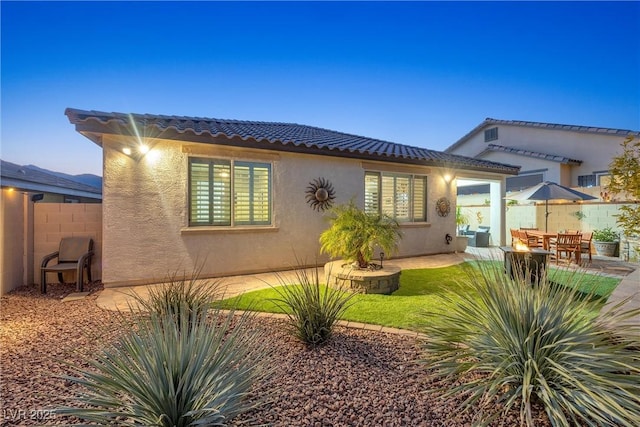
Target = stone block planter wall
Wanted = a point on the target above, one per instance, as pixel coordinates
(341, 275)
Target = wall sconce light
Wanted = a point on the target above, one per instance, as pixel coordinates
(448, 178)
(136, 151)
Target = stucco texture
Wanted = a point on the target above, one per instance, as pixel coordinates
(145, 215)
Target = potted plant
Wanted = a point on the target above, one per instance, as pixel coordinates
(606, 241)
(462, 239)
(354, 234)
(461, 220)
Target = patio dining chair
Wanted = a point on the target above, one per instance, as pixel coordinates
(74, 254)
(585, 244)
(515, 235)
(568, 244)
(528, 239)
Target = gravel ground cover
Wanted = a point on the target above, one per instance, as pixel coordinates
(361, 378)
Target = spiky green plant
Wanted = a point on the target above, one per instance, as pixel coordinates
(312, 309)
(155, 374)
(178, 294)
(505, 340)
(179, 363)
(354, 233)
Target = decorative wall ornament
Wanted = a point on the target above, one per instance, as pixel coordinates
(443, 206)
(320, 194)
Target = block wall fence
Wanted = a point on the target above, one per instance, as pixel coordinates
(53, 221)
(32, 230)
(562, 216)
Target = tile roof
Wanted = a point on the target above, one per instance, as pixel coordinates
(551, 126)
(28, 179)
(274, 136)
(534, 154)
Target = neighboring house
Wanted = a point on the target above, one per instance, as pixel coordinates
(229, 197)
(46, 187)
(573, 156)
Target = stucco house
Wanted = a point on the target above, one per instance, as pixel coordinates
(571, 155)
(236, 197)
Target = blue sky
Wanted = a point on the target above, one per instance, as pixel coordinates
(417, 73)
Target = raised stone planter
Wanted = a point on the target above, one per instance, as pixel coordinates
(384, 281)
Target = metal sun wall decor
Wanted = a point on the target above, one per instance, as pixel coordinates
(320, 194)
(443, 206)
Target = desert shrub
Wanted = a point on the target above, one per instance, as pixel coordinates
(178, 294)
(178, 361)
(312, 309)
(503, 340)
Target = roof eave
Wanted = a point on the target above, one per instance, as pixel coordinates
(44, 188)
(94, 131)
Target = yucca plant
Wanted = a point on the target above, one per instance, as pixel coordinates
(155, 374)
(178, 295)
(508, 341)
(312, 309)
(354, 233)
(177, 362)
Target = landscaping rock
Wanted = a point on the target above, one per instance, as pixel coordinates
(360, 378)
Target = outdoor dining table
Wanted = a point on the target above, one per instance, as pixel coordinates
(546, 237)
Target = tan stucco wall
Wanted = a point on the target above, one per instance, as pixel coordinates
(53, 221)
(12, 241)
(594, 150)
(145, 215)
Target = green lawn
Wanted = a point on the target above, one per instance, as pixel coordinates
(420, 290)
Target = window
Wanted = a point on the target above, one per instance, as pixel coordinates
(400, 196)
(490, 134)
(228, 193)
(586, 180)
(603, 179)
(520, 182)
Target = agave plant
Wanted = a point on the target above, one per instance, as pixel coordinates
(354, 233)
(312, 309)
(526, 344)
(177, 362)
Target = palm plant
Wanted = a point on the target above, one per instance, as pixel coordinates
(520, 344)
(354, 233)
(312, 309)
(179, 362)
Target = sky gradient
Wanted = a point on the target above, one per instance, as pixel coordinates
(416, 73)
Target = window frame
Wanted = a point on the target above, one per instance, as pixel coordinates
(231, 197)
(491, 134)
(378, 198)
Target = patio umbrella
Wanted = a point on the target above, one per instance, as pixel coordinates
(549, 191)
